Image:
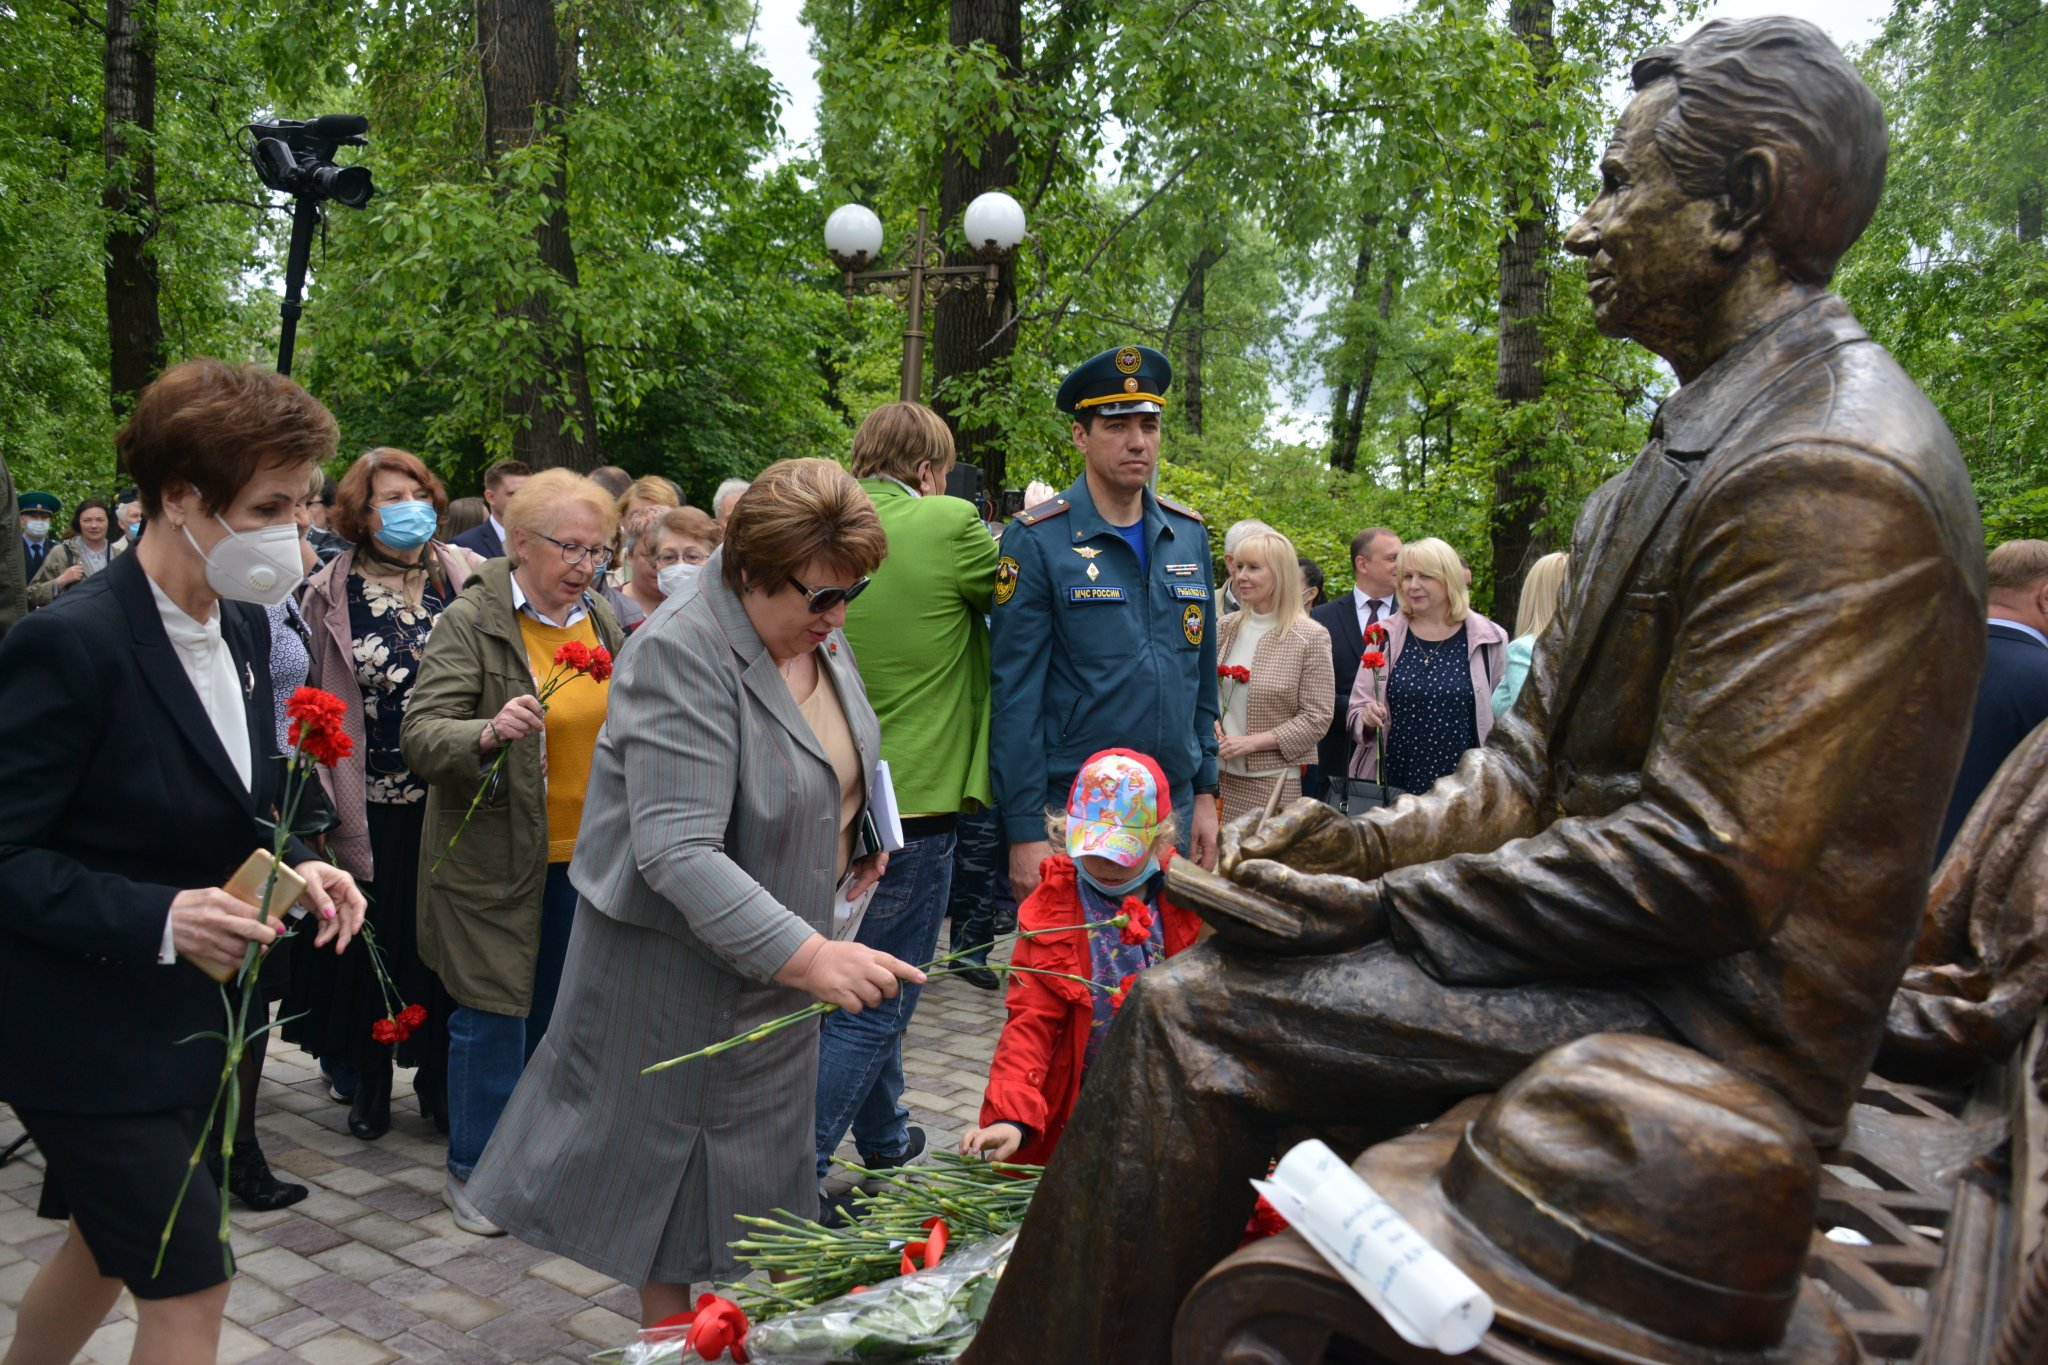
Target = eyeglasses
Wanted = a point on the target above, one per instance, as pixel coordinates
(572, 555)
(822, 600)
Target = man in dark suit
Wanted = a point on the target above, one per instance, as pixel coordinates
(1706, 818)
(2013, 698)
(501, 481)
(1373, 554)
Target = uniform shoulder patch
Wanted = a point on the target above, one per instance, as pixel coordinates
(1045, 511)
(1170, 505)
(1006, 579)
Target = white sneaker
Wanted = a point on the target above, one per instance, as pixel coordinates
(468, 1217)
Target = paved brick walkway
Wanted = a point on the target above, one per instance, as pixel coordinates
(370, 1268)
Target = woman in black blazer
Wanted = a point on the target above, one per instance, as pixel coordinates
(138, 765)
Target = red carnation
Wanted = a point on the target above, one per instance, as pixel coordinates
(387, 1031)
(1241, 674)
(316, 719)
(1375, 634)
(1123, 989)
(1372, 658)
(1266, 1221)
(1138, 921)
(576, 655)
(600, 664)
(411, 1017)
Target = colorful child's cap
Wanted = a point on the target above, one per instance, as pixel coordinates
(1119, 800)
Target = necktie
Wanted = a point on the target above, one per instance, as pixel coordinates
(1372, 616)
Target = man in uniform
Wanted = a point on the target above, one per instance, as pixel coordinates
(38, 511)
(1104, 623)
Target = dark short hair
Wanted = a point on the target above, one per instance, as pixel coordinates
(796, 511)
(212, 425)
(1312, 574)
(612, 479)
(87, 506)
(328, 489)
(1362, 542)
(495, 476)
(1776, 83)
(350, 516)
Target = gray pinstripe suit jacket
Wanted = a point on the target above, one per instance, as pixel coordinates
(707, 855)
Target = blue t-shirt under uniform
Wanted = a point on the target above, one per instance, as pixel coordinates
(1134, 536)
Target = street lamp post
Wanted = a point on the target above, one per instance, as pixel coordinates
(994, 225)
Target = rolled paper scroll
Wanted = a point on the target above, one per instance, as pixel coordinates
(1427, 1300)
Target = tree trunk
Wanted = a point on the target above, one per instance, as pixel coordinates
(1188, 317)
(1349, 412)
(529, 77)
(1518, 496)
(135, 330)
(964, 339)
(2033, 200)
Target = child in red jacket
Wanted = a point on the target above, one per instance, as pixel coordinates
(1119, 837)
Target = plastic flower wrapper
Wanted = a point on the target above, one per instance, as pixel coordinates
(929, 1316)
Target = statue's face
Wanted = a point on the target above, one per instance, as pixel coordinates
(1651, 264)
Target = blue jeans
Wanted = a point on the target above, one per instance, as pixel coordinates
(487, 1052)
(860, 1056)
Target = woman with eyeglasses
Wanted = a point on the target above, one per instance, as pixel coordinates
(368, 614)
(729, 783)
(496, 904)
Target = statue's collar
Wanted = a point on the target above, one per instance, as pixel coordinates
(1691, 421)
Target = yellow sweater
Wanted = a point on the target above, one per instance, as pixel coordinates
(575, 715)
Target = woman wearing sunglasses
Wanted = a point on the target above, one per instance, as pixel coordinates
(728, 785)
(496, 904)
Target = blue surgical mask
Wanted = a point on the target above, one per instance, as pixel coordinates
(407, 525)
(134, 529)
(1138, 878)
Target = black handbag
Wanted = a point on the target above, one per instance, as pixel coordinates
(1357, 795)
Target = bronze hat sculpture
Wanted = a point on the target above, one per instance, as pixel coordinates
(1632, 1201)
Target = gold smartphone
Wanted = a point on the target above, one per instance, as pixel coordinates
(246, 886)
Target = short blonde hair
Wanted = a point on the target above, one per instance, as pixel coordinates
(2017, 565)
(796, 511)
(1542, 592)
(1276, 552)
(649, 488)
(898, 437)
(1433, 558)
(538, 505)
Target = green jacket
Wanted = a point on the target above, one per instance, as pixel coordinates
(42, 590)
(479, 915)
(920, 636)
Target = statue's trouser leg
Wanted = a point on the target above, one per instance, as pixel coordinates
(1211, 1056)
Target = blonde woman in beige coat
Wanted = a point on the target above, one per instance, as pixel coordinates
(1269, 726)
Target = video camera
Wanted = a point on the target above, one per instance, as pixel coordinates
(296, 156)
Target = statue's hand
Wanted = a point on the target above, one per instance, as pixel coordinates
(1337, 913)
(1308, 835)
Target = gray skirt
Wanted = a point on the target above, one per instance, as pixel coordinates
(639, 1176)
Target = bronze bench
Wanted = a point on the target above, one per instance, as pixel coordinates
(1950, 1274)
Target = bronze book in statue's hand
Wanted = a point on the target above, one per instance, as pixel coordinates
(1226, 907)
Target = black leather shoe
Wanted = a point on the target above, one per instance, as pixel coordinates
(250, 1180)
(369, 1115)
(980, 976)
(904, 1158)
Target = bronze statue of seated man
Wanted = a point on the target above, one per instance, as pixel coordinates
(1710, 816)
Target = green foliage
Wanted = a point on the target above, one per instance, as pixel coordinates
(1944, 276)
(1319, 161)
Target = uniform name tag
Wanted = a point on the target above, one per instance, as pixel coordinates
(1183, 570)
(1193, 592)
(1095, 594)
